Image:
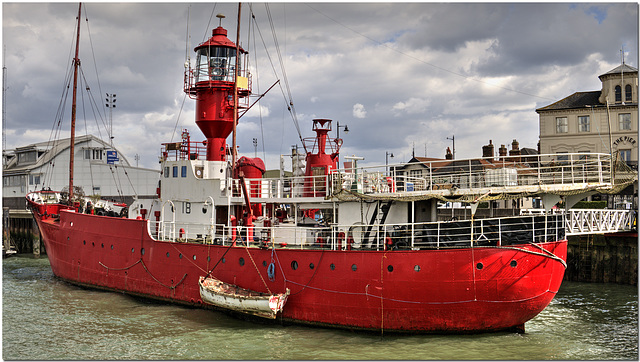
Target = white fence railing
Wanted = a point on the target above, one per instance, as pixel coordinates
(599, 221)
(511, 172)
(406, 236)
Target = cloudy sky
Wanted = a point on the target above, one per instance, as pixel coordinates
(400, 76)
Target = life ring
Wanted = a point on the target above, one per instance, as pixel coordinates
(181, 233)
(271, 271)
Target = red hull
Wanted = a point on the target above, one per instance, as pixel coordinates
(411, 291)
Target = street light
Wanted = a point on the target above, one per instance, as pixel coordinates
(346, 130)
(386, 160)
(453, 138)
(608, 124)
(111, 104)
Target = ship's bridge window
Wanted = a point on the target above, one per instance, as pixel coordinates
(216, 63)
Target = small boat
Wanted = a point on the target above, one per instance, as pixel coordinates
(232, 297)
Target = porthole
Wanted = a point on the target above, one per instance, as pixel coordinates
(84, 242)
(194, 257)
(311, 266)
(224, 260)
(167, 254)
(241, 261)
(93, 244)
(68, 239)
(142, 251)
(111, 247)
(71, 223)
(180, 256)
(416, 268)
(390, 268)
(294, 265)
(354, 267)
(208, 258)
(513, 263)
(133, 250)
(332, 266)
(479, 266)
(264, 263)
(102, 245)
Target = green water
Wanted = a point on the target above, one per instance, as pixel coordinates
(45, 318)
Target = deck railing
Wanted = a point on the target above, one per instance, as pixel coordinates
(599, 221)
(463, 176)
(434, 235)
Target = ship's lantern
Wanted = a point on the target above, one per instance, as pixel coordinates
(216, 63)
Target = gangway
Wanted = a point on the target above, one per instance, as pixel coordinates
(599, 221)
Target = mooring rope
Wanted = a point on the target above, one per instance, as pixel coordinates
(257, 270)
(148, 272)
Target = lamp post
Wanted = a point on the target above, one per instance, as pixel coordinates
(111, 104)
(386, 160)
(346, 130)
(453, 138)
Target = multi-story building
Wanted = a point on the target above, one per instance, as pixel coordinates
(98, 168)
(603, 121)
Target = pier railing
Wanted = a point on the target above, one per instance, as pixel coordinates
(433, 235)
(511, 174)
(599, 221)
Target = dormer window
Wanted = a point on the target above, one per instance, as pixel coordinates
(26, 158)
(618, 94)
(627, 93)
(92, 154)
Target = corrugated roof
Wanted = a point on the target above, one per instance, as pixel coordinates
(53, 148)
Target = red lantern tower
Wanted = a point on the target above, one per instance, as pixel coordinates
(212, 84)
(319, 162)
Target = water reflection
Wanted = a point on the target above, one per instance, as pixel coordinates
(44, 318)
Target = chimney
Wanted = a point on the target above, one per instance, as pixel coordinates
(502, 151)
(515, 150)
(487, 150)
(449, 155)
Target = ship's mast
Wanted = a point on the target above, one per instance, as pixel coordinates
(76, 63)
(235, 89)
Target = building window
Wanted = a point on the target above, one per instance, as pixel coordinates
(34, 179)
(415, 173)
(97, 154)
(166, 171)
(183, 171)
(87, 154)
(27, 158)
(627, 93)
(624, 121)
(175, 171)
(563, 156)
(618, 94)
(562, 126)
(625, 155)
(584, 124)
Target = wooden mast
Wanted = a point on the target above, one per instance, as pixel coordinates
(76, 63)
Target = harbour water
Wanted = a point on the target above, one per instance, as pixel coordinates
(44, 318)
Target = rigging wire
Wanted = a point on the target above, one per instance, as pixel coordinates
(425, 62)
(289, 97)
(251, 34)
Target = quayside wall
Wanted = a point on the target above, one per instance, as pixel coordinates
(608, 258)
